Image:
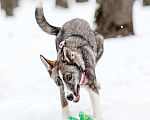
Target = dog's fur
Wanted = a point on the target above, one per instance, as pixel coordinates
(83, 44)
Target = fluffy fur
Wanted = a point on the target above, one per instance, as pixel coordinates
(82, 45)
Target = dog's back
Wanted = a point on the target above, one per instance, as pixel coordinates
(77, 27)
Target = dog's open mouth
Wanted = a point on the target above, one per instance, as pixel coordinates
(77, 94)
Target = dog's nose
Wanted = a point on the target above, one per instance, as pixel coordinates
(70, 97)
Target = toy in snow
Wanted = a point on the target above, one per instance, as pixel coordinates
(71, 118)
(82, 116)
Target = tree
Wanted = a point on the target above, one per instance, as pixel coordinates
(8, 6)
(99, 1)
(146, 2)
(114, 18)
(62, 3)
(81, 0)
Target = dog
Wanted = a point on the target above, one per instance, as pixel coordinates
(79, 48)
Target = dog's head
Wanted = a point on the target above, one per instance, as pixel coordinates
(71, 71)
(66, 73)
(53, 68)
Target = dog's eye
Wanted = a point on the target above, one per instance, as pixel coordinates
(68, 77)
(58, 81)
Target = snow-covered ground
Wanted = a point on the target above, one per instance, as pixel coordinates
(27, 92)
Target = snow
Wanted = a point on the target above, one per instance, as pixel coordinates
(27, 92)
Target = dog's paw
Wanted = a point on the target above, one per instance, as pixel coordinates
(65, 113)
(65, 117)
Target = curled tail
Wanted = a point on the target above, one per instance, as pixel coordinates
(43, 24)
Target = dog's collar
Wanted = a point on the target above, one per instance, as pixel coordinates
(76, 35)
(61, 46)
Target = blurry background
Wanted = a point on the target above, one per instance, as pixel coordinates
(27, 92)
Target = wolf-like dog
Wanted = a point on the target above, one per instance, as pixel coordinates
(79, 49)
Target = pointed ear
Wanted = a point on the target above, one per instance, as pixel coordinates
(73, 56)
(48, 63)
(67, 54)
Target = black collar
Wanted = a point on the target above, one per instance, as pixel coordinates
(77, 35)
(63, 43)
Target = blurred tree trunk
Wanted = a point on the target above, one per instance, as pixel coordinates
(146, 2)
(62, 3)
(114, 18)
(99, 1)
(8, 6)
(81, 0)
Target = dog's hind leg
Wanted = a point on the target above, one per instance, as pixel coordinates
(99, 41)
(65, 108)
(95, 101)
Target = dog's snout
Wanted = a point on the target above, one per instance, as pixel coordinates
(70, 97)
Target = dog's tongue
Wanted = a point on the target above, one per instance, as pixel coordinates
(78, 95)
(77, 98)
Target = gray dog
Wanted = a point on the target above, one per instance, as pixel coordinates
(79, 49)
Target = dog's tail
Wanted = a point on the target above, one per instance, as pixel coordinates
(43, 24)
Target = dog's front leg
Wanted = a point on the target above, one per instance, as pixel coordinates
(65, 108)
(95, 101)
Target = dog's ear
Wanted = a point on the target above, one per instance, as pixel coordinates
(67, 54)
(48, 63)
(73, 56)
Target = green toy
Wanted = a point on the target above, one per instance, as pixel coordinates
(85, 116)
(82, 116)
(71, 118)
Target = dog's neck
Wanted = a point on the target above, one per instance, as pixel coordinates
(63, 43)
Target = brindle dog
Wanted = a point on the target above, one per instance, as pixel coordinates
(80, 53)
